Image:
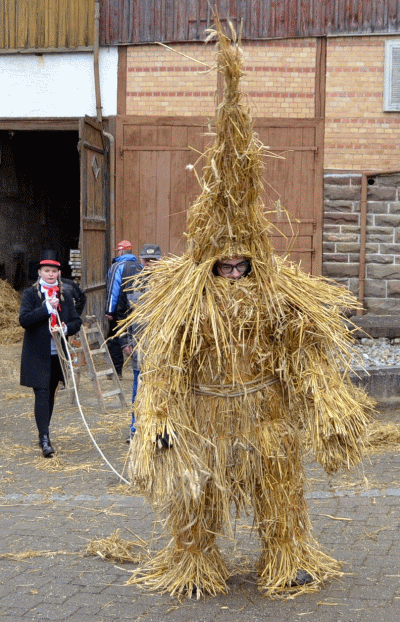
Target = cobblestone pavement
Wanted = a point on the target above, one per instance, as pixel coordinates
(52, 509)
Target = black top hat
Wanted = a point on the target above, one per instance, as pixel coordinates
(50, 258)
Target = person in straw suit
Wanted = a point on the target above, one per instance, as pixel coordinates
(246, 364)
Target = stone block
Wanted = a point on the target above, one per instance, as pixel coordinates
(393, 289)
(342, 238)
(353, 285)
(347, 247)
(375, 288)
(340, 282)
(350, 229)
(394, 207)
(339, 180)
(379, 237)
(376, 271)
(344, 193)
(382, 306)
(377, 258)
(338, 206)
(328, 247)
(334, 257)
(380, 193)
(331, 228)
(340, 271)
(387, 220)
(387, 180)
(379, 326)
(334, 218)
(387, 249)
(378, 207)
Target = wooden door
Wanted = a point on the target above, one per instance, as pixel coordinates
(155, 186)
(94, 209)
(293, 187)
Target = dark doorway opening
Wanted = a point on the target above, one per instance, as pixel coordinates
(39, 200)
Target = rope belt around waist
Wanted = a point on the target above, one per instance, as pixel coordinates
(228, 390)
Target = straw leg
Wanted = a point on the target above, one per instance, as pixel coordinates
(191, 564)
(282, 519)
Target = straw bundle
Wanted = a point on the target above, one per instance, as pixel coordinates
(116, 549)
(10, 329)
(234, 374)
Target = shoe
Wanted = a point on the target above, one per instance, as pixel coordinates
(129, 439)
(186, 592)
(163, 441)
(45, 444)
(302, 578)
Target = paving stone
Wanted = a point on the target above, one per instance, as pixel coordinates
(64, 508)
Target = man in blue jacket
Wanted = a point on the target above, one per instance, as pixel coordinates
(125, 265)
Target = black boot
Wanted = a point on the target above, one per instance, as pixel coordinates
(45, 444)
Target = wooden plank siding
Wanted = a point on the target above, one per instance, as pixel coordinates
(148, 21)
(155, 187)
(27, 25)
(94, 230)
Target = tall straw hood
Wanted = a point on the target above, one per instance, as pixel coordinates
(227, 219)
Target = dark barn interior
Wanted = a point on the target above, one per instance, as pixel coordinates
(39, 200)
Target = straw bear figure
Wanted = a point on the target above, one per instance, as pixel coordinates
(239, 377)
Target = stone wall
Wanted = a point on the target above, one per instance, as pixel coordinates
(341, 241)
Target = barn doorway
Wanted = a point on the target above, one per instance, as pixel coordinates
(39, 200)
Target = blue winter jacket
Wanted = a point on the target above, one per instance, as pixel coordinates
(122, 268)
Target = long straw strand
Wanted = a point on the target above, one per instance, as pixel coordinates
(57, 340)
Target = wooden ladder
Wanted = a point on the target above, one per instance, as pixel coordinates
(92, 329)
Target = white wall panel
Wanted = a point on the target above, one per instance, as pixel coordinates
(57, 85)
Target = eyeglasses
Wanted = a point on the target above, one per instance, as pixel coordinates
(227, 268)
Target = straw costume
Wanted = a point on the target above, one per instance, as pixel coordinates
(236, 374)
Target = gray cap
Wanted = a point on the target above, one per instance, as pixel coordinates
(150, 251)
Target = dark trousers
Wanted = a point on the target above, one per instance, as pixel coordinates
(44, 398)
(115, 348)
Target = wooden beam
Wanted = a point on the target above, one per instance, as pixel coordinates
(320, 78)
(121, 88)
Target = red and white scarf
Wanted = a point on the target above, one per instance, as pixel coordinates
(50, 291)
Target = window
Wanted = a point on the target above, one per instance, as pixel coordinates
(391, 97)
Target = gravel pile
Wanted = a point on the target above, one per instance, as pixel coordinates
(381, 352)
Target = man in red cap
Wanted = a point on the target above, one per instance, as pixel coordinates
(124, 266)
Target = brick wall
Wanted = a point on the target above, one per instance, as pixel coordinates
(358, 134)
(278, 81)
(341, 245)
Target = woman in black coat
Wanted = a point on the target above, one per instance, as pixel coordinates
(40, 365)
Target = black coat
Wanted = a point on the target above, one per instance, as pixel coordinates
(76, 293)
(34, 317)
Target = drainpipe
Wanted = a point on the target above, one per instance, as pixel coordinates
(96, 61)
(363, 232)
(109, 136)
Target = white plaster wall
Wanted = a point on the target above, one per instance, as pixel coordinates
(57, 85)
